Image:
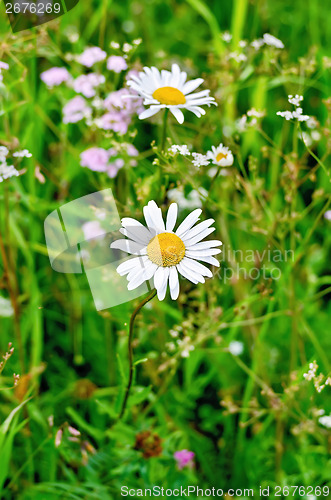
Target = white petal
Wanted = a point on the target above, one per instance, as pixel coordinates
(159, 277)
(160, 281)
(189, 242)
(204, 244)
(149, 112)
(140, 234)
(177, 114)
(188, 222)
(173, 283)
(209, 260)
(184, 271)
(128, 265)
(156, 215)
(196, 267)
(192, 85)
(171, 217)
(202, 253)
(197, 229)
(129, 247)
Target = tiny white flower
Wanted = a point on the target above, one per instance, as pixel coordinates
(238, 56)
(220, 156)
(6, 309)
(114, 45)
(257, 44)
(288, 115)
(200, 160)
(182, 150)
(162, 253)
(236, 348)
(25, 153)
(299, 116)
(192, 200)
(226, 37)
(272, 41)
(169, 89)
(325, 421)
(327, 215)
(7, 171)
(295, 100)
(256, 114)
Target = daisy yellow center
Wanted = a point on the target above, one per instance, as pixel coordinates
(169, 95)
(166, 249)
(220, 156)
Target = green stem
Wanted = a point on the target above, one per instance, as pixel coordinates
(133, 317)
(164, 129)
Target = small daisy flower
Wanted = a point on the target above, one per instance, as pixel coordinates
(199, 160)
(169, 89)
(163, 253)
(220, 156)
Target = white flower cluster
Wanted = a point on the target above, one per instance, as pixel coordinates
(6, 171)
(297, 113)
(320, 381)
(267, 39)
(236, 348)
(220, 155)
(250, 119)
(325, 421)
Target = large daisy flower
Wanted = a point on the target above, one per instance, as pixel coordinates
(163, 252)
(169, 89)
(220, 156)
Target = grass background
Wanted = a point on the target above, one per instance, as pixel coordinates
(73, 360)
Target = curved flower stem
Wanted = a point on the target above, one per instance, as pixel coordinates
(164, 129)
(133, 317)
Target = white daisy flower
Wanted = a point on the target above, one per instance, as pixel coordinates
(221, 156)
(163, 253)
(169, 89)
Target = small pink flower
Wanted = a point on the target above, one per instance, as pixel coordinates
(114, 167)
(95, 159)
(91, 55)
(75, 110)
(55, 76)
(86, 84)
(117, 64)
(184, 458)
(3, 65)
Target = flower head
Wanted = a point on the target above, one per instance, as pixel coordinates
(199, 160)
(75, 110)
(95, 159)
(184, 458)
(236, 348)
(163, 253)
(272, 41)
(55, 76)
(295, 100)
(117, 64)
(220, 156)
(91, 55)
(86, 84)
(169, 89)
